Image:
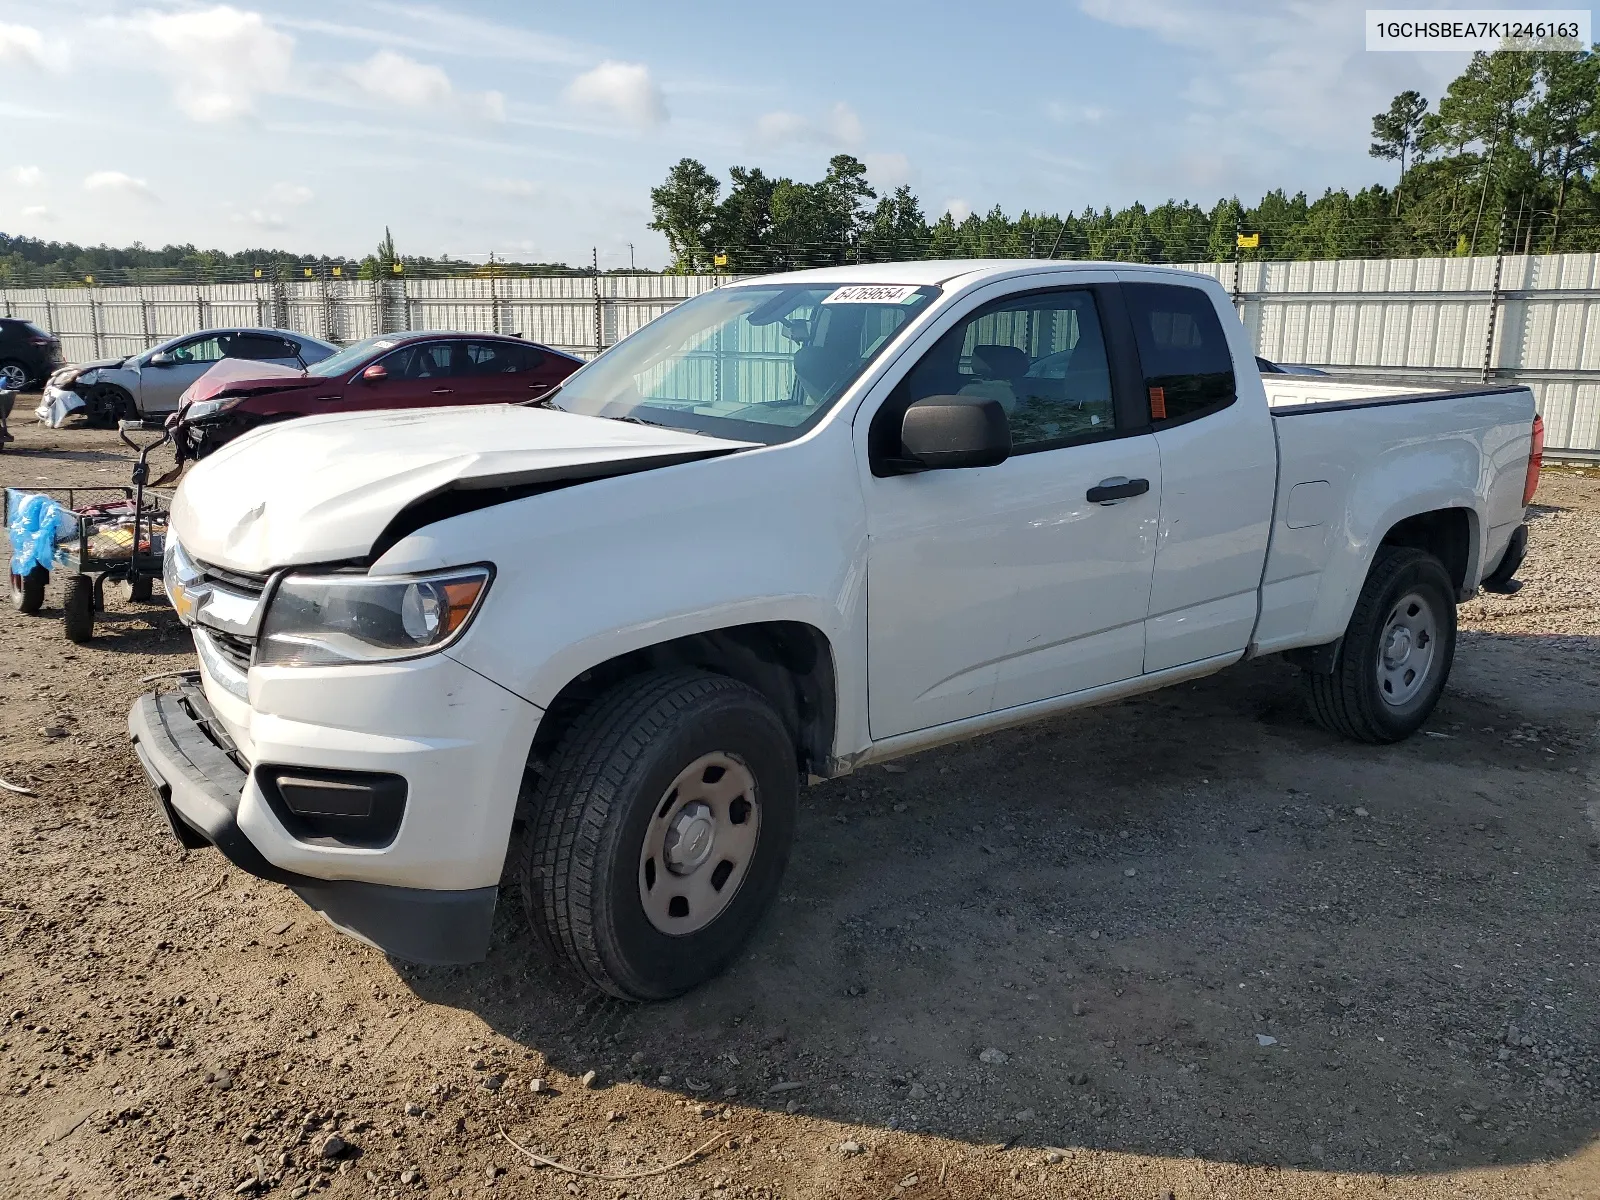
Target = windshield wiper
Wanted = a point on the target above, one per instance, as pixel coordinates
(543, 401)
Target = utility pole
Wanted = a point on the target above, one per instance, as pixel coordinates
(631, 267)
(594, 271)
(1238, 259)
(1494, 297)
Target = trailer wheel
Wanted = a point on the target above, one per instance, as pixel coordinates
(661, 832)
(77, 608)
(142, 589)
(27, 591)
(1396, 654)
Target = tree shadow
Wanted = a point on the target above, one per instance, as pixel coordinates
(1192, 923)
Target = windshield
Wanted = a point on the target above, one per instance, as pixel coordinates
(338, 364)
(755, 363)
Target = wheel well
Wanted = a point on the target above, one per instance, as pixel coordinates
(788, 662)
(1445, 533)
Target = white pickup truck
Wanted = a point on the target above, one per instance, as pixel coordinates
(796, 526)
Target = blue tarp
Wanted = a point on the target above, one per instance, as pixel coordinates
(37, 523)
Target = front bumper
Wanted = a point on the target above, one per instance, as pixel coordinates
(192, 767)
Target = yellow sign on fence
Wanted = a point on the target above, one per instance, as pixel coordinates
(719, 260)
(1249, 241)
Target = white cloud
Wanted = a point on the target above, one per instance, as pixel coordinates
(25, 46)
(1261, 82)
(493, 105)
(290, 193)
(395, 79)
(28, 176)
(840, 128)
(217, 59)
(959, 210)
(523, 188)
(38, 212)
(624, 90)
(1074, 114)
(888, 171)
(117, 182)
(257, 219)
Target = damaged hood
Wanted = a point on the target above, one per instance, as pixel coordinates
(323, 489)
(242, 377)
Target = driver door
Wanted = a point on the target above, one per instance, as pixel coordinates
(995, 587)
(160, 386)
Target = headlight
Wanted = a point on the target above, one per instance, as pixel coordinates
(323, 620)
(205, 408)
(66, 378)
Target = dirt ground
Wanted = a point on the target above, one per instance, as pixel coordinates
(1184, 946)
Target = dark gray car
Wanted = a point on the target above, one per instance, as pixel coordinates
(148, 384)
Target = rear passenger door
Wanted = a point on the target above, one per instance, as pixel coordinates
(498, 371)
(265, 347)
(1219, 465)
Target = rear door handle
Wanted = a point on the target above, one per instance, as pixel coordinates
(538, 387)
(442, 391)
(1120, 487)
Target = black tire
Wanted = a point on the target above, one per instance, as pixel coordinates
(142, 589)
(583, 871)
(109, 404)
(1351, 699)
(27, 591)
(13, 375)
(77, 608)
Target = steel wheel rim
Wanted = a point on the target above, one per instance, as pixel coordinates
(1406, 649)
(15, 378)
(699, 844)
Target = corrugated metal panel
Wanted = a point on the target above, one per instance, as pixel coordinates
(1427, 317)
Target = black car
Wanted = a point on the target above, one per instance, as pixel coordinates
(27, 354)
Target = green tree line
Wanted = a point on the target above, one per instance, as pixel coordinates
(31, 262)
(1505, 160)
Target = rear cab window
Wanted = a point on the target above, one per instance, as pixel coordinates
(1187, 364)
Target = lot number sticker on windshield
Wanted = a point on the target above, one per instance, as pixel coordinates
(873, 293)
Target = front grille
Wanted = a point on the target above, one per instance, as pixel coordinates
(237, 650)
(239, 581)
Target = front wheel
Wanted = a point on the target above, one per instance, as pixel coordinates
(13, 376)
(1396, 654)
(661, 833)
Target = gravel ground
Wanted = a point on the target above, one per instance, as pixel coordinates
(1187, 945)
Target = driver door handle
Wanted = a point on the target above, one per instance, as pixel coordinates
(1119, 487)
(442, 391)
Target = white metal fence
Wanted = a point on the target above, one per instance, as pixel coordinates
(1522, 318)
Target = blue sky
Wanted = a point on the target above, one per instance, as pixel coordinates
(536, 131)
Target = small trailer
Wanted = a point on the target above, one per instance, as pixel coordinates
(120, 535)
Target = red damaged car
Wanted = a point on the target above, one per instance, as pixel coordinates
(392, 370)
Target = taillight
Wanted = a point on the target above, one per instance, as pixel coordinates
(1535, 462)
(42, 341)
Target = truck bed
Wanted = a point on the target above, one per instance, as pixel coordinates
(1357, 456)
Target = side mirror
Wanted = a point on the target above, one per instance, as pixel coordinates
(940, 433)
(162, 359)
(376, 373)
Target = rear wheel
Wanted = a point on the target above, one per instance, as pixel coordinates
(1396, 654)
(13, 376)
(27, 591)
(661, 833)
(141, 589)
(77, 608)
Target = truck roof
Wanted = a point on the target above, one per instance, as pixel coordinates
(966, 270)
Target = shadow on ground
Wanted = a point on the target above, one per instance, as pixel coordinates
(1192, 923)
